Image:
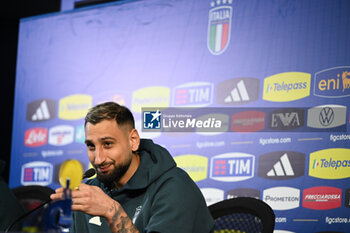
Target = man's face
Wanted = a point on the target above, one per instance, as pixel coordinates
(109, 149)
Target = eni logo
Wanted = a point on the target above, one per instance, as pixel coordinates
(288, 86)
(330, 164)
(333, 82)
(346, 80)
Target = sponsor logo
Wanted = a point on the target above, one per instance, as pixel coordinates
(195, 94)
(61, 135)
(152, 119)
(41, 110)
(330, 164)
(285, 87)
(230, 167)
(322, 198)
(74, 107)
(347, 198)
(243, 192)
(150, 97)
(36, 173)
(333, 82)
(326, 116)
(281, 165)
(212, 195)
(35, 137)
(80, 134)
(282, 198)
(196, 166)
(238, 91)
(286, 119)
(248, 121)
(219, 26)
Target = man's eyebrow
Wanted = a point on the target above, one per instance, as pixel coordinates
(106, 138)
(87, 141)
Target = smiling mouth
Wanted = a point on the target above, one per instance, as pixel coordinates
(104, 168)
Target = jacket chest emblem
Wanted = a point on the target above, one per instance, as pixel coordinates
(136, 214)
(95, 220)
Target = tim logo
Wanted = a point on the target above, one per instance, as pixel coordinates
(326, 116)
(196, 94)
(219, 26)
(36, 173)
(35, 137)
(322, 198)
(333, 82)
(152, 119)
(41, 110)
(232, 167)
(61, 135)
(238, 91)
(286, 119)
(281, 165)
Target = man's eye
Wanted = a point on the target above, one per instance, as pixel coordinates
(90, 147)
(108, 144)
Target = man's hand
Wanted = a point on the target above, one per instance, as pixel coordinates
(92, 200)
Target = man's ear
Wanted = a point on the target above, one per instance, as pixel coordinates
(134, 138)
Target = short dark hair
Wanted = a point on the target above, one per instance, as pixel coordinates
(110, 111)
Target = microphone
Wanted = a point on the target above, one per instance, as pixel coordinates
(89, 173)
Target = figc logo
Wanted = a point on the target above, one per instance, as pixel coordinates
(330, 164)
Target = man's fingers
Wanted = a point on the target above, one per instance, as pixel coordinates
(58, 194)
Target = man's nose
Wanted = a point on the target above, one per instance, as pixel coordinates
(99, 156)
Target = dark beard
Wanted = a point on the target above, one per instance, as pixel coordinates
(109, 180)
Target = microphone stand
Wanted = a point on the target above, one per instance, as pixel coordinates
(89, 173)
(26, 214)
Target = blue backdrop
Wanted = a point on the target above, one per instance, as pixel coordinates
(292, 56)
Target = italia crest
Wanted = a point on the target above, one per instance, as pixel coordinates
(219, 26)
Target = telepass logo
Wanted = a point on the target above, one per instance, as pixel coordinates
(330, 163)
